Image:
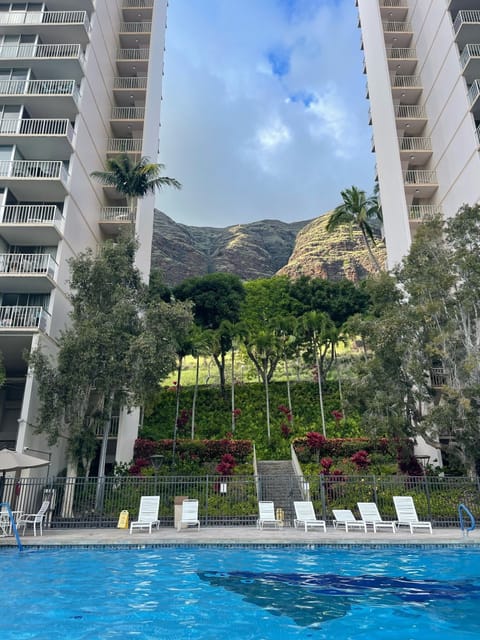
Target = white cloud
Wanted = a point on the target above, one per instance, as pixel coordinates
(275, 134)
(331, 120)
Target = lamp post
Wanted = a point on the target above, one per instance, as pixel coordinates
(157, 461)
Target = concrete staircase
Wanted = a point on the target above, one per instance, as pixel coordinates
(278, 482)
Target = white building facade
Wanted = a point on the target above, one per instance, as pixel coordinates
(422, 61)
(80, 81)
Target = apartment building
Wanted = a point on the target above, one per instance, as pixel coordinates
(422, 61)
(80, 80)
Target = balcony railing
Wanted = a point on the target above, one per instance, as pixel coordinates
(138, 4)
(410, 111)
(438, 377)
(130, 83)
(38, 263)
(124, 145)
(128, 113)
(424, 211)
(474, 91)
(133, 54)
(37, 127)
(117, 214)
(39, 87)
(135, 27)
(26, 51)
(393, 3)
(415, 144)
(45, 17)
(402, 53)
(23, 317)
(420, 176)
(397, 27)
(33, 169)
(113, 432)
(478, 133)
(30, 214)
(467, 16)
(404, 82)
(469, 51)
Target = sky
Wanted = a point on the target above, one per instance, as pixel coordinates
(264, 114)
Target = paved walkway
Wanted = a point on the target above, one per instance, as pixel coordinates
(235, 535)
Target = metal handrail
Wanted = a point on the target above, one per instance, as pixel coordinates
(407, 81)
(469, 51)
(37, 127)
(133, 54)
(44, 17)
(474, 91)
(38, 263)
(424, 212)
(128, 113)
(124, 145)
(394, 26)
(397, 53)
(117, 214)
(140, 4)
(29, 214)
(461, 510)
(135, 27)
(19, 51)
(40, 87)
(33, 169)
(410, 111)
(22, 317)
(135, 82)
(408, 143)
(466, 16)
(420, 176)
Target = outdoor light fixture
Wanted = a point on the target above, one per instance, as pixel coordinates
(157, 461)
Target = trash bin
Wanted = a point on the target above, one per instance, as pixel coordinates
(177, 510)
(280, 516)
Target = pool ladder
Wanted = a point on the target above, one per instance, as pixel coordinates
(11, 523)
(463, 510)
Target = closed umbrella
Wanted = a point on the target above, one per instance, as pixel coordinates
(15, 461)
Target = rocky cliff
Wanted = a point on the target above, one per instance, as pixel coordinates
(258, 250)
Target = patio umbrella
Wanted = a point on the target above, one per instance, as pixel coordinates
(15, 461)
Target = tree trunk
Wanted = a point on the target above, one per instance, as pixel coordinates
(320, 392)
(289, 395)
(233, 389)
(195, 393)
(177, 410)
(100, 494)
(370, 252)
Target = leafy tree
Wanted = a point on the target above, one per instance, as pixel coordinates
(361, 211)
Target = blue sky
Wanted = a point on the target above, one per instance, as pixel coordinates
(264, 112)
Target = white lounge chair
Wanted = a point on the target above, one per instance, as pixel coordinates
(407, 514)
(345, 518)
(266, 515)
(147, 514)
(189, 514)
(371, 516)
(305, 515)
(34, 518)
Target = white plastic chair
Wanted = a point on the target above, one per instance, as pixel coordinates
(147, 514)
(407, 514)
(34, 518)
(266, 515)
(305, 515)
(371, 516)
(345, 518)
(189, 514)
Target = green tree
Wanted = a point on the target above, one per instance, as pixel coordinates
(361, 211)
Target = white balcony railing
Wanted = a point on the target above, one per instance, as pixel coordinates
(415, 144)
(423, 211)
(397, 27)
(30, 214)
(402, 53)
(410, 111)
(124, 145)
(130, 83)
(113, 431)
(135, 27)
(44, 17)
(33, 169)
(23, 317)
(467, 16)
(117, 214)
(393, 3)
(39, 87)
(37, 127)
(469, 51)
(478, 134)
(405, 82)
(420, 177)
(133, 54)
(138, 4)
(474, 91)
(32, 263)
(128, 113)
(27, 51)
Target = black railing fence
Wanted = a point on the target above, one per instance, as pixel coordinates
(232, 501)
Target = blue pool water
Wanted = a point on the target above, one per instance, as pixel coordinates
(400, 593)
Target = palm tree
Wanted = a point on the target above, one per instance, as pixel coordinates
(358, 210)
(134, 179)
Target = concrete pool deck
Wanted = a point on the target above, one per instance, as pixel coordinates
(236, 535)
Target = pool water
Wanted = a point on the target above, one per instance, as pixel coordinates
(179, 593)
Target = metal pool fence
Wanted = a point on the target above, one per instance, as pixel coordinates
(232, 501)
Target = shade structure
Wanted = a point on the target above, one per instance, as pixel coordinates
(15, 461)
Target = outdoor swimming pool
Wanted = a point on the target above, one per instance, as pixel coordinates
(238, 593)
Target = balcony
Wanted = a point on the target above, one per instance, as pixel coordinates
(397, 33)
(124, 120)
(27, 272)
(113, 432)
(135, 34)
(36, 96)
(131, 62)
(114, 219)
(407, 89)
(396, 10)
(128, 91)
(470, 62)
(402, 60)
(34, 180)
(30, 318)
(420, 183)
(421, 212)
(438, 377)
(41, 224)
(50, 138)
(52, 60)
(140, 10)
(474, 98)
(119, 146)
(466, 27)
(411, 117)
(44, 23)
(415, 151)
(59, 5)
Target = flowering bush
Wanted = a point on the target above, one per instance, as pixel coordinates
(361, 460)
(315, 441)
(286, 430)
(326, 463)
(226, 465)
